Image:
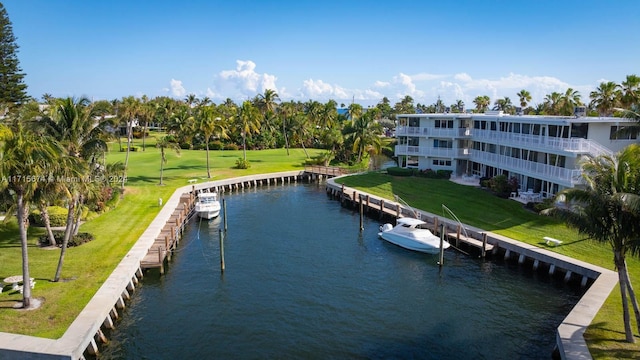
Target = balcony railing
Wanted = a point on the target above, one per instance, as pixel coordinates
(539, 170)
(431, 151)
(532, 142)
(432, 132)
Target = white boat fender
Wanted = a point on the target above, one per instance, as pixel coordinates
(386, 227)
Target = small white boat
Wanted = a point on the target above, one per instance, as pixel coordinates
(412, 234)
(207, 204)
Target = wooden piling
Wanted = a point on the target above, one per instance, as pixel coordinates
(224, 207)
(483, 253)
(361, 215)
(441, 262)
(435, 225)
(221, 250)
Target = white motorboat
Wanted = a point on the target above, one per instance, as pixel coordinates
(412, 234)
(207, 204)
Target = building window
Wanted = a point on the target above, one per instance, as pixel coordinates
(438, 143)
(619, 133)
(412, 161)
(441, 162)
(448, 124)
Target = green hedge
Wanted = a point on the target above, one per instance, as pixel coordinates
(428, 173)
(76, 240)
(57, 216)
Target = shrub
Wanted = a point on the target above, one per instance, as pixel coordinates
(231, 147)
(57, 216)
(444, 174)
(398, 171)
(76, 240)
(242, 164)
(216, 145)
(500, 185)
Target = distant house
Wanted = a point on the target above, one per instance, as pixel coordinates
(542, 152)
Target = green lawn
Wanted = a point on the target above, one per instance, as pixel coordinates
(481, 209)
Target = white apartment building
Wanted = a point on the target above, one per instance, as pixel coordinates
(542, 152)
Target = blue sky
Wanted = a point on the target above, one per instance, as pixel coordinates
(320, 50)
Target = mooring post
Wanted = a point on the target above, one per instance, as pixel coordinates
(224, 207)
(435, 224)
(441, 262)
(221, 250)
(484, 245)
(361, 214)
(458, 235)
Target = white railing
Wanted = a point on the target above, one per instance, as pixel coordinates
(539, 170)
(432, 152)
(432, 132)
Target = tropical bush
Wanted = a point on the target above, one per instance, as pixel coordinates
(57, 216)
(500, 185)
(76, 240)
(242, 164)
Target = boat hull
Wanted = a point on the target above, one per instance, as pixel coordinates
(428, 246)
(210, 214)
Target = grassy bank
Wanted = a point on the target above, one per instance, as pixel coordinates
(481, 209)
(86, 267)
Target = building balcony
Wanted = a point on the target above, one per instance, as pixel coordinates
(564, 176)
(407, 150)
(432, 132)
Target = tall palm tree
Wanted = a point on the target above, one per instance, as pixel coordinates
(129, 111)
(503, 104)
(364, 133)
(482, 103)
(608, 210)
(166, 143)
(287, 111)
(568, 101)
(630, 91)
(605, 98)
(24, 153)
(524, 97)
(247, 122)
(552, 103)
(210, 124)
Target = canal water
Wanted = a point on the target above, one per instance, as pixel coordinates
(302, 282)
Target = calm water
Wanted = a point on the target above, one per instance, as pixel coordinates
(302, 282)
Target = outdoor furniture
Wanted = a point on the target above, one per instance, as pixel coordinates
(551, 241)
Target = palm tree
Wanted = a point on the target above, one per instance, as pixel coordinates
(605, 98)
(164, 143)
(503, 105)
(568, 101)
(482, 103)
(552, 103)
(631, 91)
(210, 124)
(247, 122)
(24, 153)
(129, 111)
(364, 132)
(287, 111)
(607, 209)
(524, 97)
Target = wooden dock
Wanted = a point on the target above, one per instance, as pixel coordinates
(169, 236)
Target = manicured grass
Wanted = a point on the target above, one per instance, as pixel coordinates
(481, 209)
(86, 267)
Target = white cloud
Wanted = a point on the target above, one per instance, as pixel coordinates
(177, 89)
(243, 82)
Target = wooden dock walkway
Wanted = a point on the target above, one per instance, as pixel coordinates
(169, 236)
